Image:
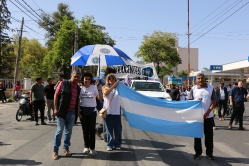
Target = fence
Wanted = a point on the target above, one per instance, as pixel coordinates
(9, 83)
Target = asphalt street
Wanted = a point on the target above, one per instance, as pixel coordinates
(23, 143)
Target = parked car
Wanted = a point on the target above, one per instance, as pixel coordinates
(150, 88)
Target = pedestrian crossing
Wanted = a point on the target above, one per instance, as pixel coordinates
(145, 153)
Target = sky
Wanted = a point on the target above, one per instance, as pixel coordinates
(219, 28)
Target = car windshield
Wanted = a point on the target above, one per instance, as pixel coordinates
(148, 86)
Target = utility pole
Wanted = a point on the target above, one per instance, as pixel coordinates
(18, 55)
(75, 45)
(188, 48)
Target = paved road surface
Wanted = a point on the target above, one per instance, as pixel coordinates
(23, 143)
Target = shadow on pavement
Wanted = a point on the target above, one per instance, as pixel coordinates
(6, 161)
(3, 144)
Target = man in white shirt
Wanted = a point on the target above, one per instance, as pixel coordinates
(206, 94)
(222, 100)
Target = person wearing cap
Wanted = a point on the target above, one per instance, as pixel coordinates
(2, 92)
(237, 97)
(37, 98)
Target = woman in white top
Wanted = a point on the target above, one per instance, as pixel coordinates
(87, 112)
(113, 118)
(183, 93)
(188, 93)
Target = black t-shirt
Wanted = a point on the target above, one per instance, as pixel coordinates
(49, 90)
(173, 93)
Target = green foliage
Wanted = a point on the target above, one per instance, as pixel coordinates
(182, 73)
(31, 59)
(11, 99)
(160, 49)
(52, 22)
(59, 57)
(6, 51)
(206, 69)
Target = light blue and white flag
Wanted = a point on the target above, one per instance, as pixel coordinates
(180, 118)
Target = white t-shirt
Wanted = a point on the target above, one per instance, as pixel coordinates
(183, 97)
(114, 107)
(88, 96)
(205, 94)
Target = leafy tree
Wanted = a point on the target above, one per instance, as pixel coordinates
(6, 51)
(59, 57)
(182, 73)
(160, 49)
(31, 59)
(206, 69)
(52, 22)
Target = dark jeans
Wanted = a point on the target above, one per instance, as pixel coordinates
(222, 103)
(39, 104)
(238, 111)
(88, 123)
(2, 94)
(208, 131)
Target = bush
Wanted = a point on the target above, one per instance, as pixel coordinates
(11, 99)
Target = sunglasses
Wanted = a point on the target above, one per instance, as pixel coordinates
(111, 78)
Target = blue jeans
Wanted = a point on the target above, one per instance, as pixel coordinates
(62, 124)
(113, 124)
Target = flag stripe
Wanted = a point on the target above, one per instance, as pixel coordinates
(164, 127)
(126, 93)
(171, 114)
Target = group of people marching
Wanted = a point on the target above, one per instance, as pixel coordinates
(80, 98)
(212, 97)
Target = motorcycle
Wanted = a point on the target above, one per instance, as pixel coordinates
(25, 108)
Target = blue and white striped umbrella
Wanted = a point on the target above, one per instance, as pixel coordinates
(90, 55)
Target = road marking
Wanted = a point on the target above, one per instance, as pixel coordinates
(148, 156)
(11, 146)
(231, 152)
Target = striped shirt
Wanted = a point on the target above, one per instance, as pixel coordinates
(73, 91)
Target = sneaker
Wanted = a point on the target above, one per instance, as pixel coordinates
(43, 123)
(53, 120)
(49, 121)
(118, 148)
(109, 149)
(36, 123)
(210, 157)
(197, 156)
(92, 152)
(85, 150)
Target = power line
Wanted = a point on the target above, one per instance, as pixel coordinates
(228, 9)
(27, 26)
(209, 14)
(26, 9)
(220, 22)
(23, 11)
(32, 9)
